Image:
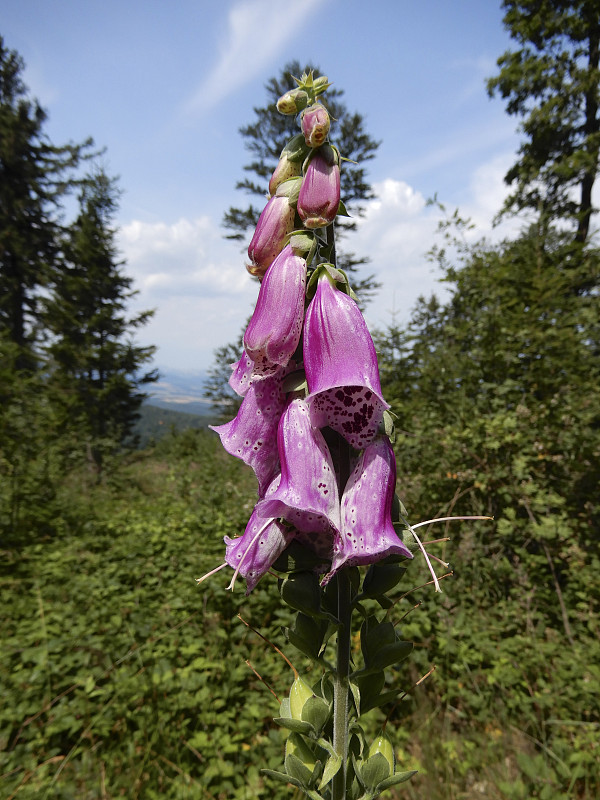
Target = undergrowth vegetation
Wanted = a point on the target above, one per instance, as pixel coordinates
(122, 678)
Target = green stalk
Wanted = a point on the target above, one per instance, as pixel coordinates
(341, 687)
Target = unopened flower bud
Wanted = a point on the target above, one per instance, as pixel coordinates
(299, 694)
(315, 125)
(319, 197)
(383, 745)
(290, 162)
(292, 102)
(274, 225)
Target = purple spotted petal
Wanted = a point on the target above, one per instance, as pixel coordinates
(274, 331)
(252, 435)
(306, 494)
(367, 531)
(341, 367)
(254, 553)
(241, 374)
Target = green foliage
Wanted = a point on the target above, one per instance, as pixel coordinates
(498, 413)
(120, 676)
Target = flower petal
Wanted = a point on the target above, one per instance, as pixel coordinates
(251, 436)
(254, 553)
(367, 531)
(306, 493)
(341, 367)
(241, 374)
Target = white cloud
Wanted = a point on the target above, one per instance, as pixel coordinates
(257, 30)
(196, 281)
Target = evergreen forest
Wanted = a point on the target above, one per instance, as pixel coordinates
(119, 676)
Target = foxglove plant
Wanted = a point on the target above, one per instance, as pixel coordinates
(315, 428)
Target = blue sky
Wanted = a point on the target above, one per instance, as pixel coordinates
(165, 87)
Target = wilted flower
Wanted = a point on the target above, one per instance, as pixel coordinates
(368, 534)
(315, 125)
(306, 493)
(254, 553)
(274, 330)
(274, 225)
(251, 436)
(341, 367)
(319, 197)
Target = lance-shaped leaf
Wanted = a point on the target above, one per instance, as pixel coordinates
(306, 493)
(368, 534)
(341, 367)
(253, 554)
(274, 331)
(251, 436)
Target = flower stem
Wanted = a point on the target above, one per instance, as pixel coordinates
(341, 685)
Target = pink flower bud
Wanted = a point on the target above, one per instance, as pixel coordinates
(319, 197)
(315, 125)
(274, 224)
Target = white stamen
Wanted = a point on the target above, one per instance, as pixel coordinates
(241, 561)
(212, 572)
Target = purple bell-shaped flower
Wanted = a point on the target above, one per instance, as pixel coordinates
(306, 492)
(341, 367)
(367, 531)
(254, 553)
(252, 435)
(273, 333)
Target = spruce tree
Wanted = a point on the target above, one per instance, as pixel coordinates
(34, 177)
(95, 364)
(552, 82)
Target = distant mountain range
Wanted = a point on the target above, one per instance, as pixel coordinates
(175, 403)
(179, 390)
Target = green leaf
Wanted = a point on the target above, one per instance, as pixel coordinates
(374, 770)
(295, 725)
(316, 712)
(332, 767)
(399, 777)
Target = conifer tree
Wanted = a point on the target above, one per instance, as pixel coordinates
(552, 82)
(95, 362)
(34, 176)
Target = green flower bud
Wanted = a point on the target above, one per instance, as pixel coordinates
(299, 694)
(292, 102)
(383, 745)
